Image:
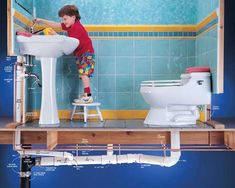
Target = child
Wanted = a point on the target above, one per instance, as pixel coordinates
(85, 53)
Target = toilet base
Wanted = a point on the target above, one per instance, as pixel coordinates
(172, 116)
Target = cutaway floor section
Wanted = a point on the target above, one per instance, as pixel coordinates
(120, 124)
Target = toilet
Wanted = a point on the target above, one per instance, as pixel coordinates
(174, 102)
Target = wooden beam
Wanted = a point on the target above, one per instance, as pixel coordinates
(33, 137)
(220, 68)
(9, 28)
(229, 139)
(117, 137)
(52, 139)
(6, 137)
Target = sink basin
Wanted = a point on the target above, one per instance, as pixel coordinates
(47, 45)
(47, 48)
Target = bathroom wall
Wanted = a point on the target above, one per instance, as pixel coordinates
(21, 22)
(207, 39)
(126, 57)
(205, 7)
(125, 12)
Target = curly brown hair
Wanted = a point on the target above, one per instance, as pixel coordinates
(69, 10)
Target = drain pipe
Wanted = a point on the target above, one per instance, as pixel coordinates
(18, 71)
(166, 161)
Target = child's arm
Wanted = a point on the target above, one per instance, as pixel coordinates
(47, 22)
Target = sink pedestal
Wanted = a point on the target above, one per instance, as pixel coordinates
(48, 48)
(48, 113)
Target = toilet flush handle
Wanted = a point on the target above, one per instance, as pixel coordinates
(199, 82)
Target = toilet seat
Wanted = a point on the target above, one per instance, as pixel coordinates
(161, 83)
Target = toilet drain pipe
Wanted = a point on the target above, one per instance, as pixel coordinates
(166, 161)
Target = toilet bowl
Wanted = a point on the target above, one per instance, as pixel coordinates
(174, 102)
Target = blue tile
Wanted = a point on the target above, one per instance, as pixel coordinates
(124, 65)
(178, 48)
(106, 64)
(142, 65)
(106, 48)
(124, 101)
(106, 83)
(136, 34)
(124, 83)
(156, 34)
(160, 47)
(71, 83)
(191, 62)
(191, 47)
(146, 34)
(161, 65)
(125, 48)
(178, 65)
(107, 100)
(142, 47)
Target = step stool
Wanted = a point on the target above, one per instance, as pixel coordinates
(85, 111)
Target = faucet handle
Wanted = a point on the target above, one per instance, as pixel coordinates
(32, 27)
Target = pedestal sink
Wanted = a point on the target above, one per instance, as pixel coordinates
(47, 48)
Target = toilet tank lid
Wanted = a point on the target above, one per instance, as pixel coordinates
(197, 69)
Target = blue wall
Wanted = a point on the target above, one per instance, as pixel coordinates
(125, 12)
(6, 68)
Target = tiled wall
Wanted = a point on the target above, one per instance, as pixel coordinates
(124, 59)
(121, 65)
(206, 53)
(207, 42)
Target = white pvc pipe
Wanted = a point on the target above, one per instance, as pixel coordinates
(18, 91)
(166, 161)
(63, 155)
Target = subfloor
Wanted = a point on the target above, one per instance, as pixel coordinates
(112, 124)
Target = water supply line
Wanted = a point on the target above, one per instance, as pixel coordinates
(20, 76)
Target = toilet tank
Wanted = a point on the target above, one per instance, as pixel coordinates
(198, 81)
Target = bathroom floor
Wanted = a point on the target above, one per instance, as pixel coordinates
(109, 124)
(125, 124)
